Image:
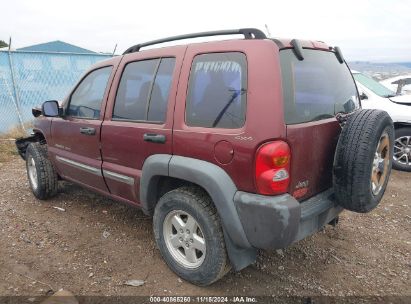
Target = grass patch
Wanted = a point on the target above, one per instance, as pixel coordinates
(7, 147)
(7, 150)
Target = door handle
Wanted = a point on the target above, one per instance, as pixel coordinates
(155, 138)
(88, 131)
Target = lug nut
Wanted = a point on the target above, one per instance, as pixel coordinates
(191, 241)
(180, 239)
(181, 230)
(188, 231)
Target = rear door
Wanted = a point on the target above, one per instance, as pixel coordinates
(314, 91)
(75, 140)
(139, 117)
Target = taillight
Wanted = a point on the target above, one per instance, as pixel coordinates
(272, 167)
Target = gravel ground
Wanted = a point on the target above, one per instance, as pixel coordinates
(90, 245)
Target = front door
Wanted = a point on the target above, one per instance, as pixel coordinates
(139, 118)
(75, 140)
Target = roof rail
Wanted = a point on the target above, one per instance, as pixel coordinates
(249, 33)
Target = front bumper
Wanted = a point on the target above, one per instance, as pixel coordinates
(273, 222)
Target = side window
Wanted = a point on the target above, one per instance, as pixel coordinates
(85, 102)
(134, 90)
(143, 91)
(217, 91)
(161, 89)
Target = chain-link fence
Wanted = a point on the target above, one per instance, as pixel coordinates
(29, 78)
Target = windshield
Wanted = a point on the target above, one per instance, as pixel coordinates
(373, 85)
(317, 87)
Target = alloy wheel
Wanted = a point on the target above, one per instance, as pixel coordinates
(380, 164)
(31, 167)
(402, 150)
(184, 239)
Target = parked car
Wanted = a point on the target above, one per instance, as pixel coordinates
(399, 84)
(230, 145)
(376, 96)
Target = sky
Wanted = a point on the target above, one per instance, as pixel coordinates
(365, 30)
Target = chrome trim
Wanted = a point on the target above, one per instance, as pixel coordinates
(119, 177)
(80, 166)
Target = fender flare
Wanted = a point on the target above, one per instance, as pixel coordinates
(23, 142)
(218, 185)
(154, 167)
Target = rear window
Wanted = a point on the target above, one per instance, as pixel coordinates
(217, 91)
(317, 87)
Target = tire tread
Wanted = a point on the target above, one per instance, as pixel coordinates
(353, 159)
(201, 202)
(46, 174)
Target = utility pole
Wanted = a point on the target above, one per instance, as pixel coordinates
(16, 98)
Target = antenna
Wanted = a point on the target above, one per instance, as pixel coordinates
(115, 48)
(268, 30)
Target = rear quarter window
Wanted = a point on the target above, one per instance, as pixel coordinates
(317, 87)
(217, 91)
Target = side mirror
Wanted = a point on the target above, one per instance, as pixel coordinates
(363, 96)
(51, 108)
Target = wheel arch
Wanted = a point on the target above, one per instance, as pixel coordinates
(23, 142)
(162, 173)
(399, 125)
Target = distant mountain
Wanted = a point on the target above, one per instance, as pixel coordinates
(407, 64)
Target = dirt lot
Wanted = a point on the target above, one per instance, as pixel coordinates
(92, 245)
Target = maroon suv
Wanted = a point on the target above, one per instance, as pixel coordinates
(231, 145)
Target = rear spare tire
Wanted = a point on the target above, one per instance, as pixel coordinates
(363, 160)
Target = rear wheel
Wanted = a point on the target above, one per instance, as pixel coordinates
(363, 160)
(189, 235)
(402, 149)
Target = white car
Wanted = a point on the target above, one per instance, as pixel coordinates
(399, 84)
(376, 96)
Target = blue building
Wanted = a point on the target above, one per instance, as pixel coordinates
(56, 47)
(33, 74)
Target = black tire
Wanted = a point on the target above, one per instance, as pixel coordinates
(198, 205)
(401, 135)
(354, 160)
(46, 176)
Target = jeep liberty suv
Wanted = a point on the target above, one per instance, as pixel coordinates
(232, 146)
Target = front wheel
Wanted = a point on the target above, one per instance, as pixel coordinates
(402, 149)
(40, 172)
(189, 235)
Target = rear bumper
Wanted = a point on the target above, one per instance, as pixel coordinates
(273, 222)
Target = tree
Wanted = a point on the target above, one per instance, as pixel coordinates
(3, 44)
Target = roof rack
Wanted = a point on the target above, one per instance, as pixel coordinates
(249, 33)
